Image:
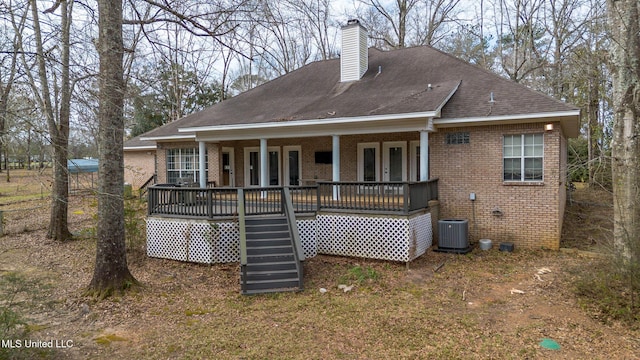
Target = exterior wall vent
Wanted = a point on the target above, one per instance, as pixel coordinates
(354, 60)
(453, 236)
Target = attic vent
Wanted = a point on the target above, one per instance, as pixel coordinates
(354, 60)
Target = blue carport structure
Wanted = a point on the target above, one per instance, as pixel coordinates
(82, 167)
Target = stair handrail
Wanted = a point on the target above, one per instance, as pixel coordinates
(145, 187)
(291, 218)
(241, 226)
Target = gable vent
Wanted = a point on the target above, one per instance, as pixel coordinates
(354, 59)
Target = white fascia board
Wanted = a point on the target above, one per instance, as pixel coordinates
(149, 147)
(169, 138)
(504, 118)
(312, 122)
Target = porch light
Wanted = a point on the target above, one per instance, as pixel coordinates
(548, 127)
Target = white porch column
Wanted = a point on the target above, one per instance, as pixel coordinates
(202, 152)
(264, 166)
(424, 155)
(336, 165)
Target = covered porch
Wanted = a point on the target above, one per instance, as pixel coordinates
(368, 149)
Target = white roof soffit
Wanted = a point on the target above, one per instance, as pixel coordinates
(568, 119)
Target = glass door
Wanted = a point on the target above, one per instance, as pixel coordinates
(228, 178)
(292, 165)
(252, 166)
(394, 158)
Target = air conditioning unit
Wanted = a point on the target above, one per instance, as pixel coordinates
(453, 236)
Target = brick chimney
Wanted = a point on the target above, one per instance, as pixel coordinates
(354, 59)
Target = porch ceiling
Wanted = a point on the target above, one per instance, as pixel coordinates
(371, 125)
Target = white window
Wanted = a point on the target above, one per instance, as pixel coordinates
(183, 165)
(523, 157)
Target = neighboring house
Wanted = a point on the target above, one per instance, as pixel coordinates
(405, 115)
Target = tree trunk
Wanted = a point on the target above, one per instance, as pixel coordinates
(59, 132)
(625, 146)
(593, 133)
(58, 225)
(111, 271)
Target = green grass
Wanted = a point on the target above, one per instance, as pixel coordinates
(360, 275)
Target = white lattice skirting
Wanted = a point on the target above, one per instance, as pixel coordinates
(396, 238)
(399, 238)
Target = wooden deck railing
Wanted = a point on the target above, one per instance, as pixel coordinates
(389, 197)
(401, 197)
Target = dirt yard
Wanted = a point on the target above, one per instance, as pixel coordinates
(485, 304)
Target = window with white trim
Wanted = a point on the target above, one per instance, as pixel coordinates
(183, 164)
(523, 157)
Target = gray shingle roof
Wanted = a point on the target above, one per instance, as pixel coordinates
(397, 82)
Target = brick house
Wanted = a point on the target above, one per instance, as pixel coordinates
(401, 116)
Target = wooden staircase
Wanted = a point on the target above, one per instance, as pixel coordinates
(271, 253)
(271, 261)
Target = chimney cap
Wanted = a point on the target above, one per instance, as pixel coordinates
(354, 22)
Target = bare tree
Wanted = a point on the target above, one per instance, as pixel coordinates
(405, 23)
(316, 16)
(8, 71)
(579, 72)
(278, 37)
(54, 99)
(520, 34)
(624, 27)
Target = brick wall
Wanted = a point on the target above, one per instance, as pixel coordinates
(531, 212)
(139, 166)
